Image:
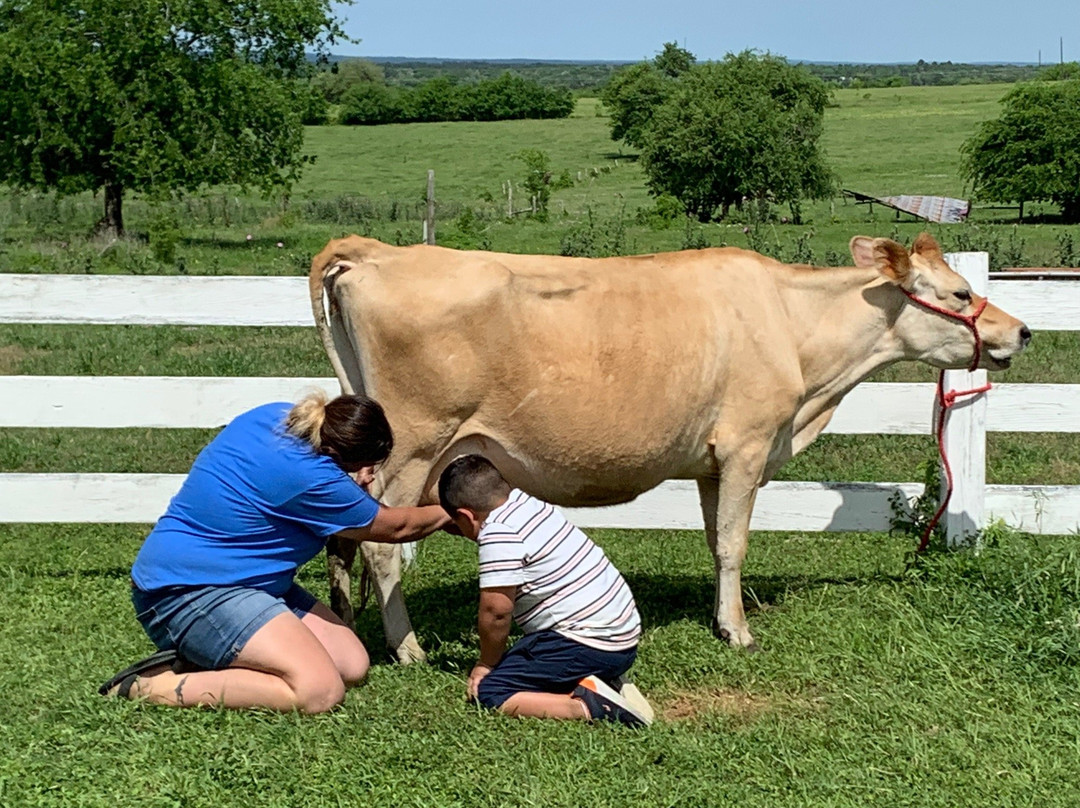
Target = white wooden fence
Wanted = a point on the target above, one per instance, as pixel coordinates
(188, 402)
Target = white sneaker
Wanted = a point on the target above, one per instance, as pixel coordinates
(638, 703)
(604, 702)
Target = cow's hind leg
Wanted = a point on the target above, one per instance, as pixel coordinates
(403, 488)
(340, 555)
(727, 503)
(383, 562)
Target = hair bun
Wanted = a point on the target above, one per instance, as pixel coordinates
(305, 420)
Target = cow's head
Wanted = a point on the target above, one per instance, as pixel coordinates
(930, 336)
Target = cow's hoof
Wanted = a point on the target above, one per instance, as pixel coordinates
(409, 652)
(736, 639)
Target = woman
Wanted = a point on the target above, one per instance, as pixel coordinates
(213, 582)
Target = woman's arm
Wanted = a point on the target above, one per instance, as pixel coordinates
(400, 525)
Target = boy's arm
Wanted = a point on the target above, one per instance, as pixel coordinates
(493, 624)
(496, 612)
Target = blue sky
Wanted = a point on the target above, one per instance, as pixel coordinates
(825, 30)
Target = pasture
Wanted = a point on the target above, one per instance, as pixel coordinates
(950, 680)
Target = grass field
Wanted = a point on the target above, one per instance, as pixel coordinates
(372, 180)
(953, 683)
(949, 682)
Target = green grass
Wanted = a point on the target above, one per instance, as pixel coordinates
(950, 684)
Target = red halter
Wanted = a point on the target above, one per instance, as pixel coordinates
(947, 399)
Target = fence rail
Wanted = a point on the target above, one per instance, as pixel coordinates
(192, 402)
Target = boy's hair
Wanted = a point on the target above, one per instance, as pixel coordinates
(472, 482)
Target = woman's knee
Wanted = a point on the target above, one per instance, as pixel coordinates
(353, 665)
(319, 692)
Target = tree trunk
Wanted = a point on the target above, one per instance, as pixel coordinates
(1070, 210)
(112, 224)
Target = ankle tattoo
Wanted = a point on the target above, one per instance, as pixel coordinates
(179, 691)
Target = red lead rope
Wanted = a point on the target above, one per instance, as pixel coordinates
(946, 400)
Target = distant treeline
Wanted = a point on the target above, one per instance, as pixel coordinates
(585, 78)
(361, 99)
(921, 74)
(571, 75)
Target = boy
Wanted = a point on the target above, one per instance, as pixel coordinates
(577, 613)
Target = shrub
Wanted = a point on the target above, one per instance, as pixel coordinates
(164, 234)
(595, 239)
(666, 212)
(370, 104)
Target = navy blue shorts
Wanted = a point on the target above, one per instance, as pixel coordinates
(547, 662)
(209, 625)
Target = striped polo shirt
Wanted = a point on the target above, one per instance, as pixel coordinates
(564, 582)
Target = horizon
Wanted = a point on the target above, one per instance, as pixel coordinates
(528, 60)
(826, 31)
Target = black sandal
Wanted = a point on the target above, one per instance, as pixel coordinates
(123, 681)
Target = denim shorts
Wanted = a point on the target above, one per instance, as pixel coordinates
(208, 625)
(548, 662)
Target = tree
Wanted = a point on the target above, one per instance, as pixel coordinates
(155, 96)
(634, 93)
(334, 82)
(1060, 72)
(1032, 151)
(746, 127)
(673, 61)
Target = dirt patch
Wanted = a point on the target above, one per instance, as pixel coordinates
(688, 705)
(12, 357)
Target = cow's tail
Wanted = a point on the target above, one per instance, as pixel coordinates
(320, 285)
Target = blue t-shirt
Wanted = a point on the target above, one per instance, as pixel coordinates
(257, 504)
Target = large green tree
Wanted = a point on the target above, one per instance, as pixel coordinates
(634, 93)
(747, 127)
(155, 96)
(1032, 151)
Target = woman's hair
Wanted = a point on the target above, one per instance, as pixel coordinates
(350, 430)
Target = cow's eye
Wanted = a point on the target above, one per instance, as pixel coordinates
(962, 294)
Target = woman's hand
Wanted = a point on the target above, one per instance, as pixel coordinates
(479, 671)
(365, 477)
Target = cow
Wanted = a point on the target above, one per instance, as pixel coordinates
(588, 381)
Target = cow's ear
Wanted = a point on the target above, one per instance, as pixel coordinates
(884, 255)
(862, 251)
(927, 247)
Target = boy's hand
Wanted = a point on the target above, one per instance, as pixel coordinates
(479, 671)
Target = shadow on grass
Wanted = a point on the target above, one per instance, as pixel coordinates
(104, 572)
(444, 616)
(255, 243)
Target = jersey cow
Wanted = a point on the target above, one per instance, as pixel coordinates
(590, 381)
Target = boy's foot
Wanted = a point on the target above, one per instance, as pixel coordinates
(605, 703)
(634, 697)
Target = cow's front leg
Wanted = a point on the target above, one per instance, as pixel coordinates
(726, 503)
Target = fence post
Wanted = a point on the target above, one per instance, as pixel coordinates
(429, 220)
(965, 430)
